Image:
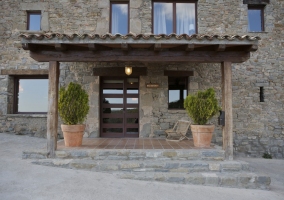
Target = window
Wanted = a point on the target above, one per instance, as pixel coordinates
(119, 17)
(31, 94)
(255, 18)
(34, 19)
(177, 91)
(174, 17)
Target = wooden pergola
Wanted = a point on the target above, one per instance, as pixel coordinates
(55, 48)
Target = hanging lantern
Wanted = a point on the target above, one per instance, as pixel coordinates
(128, 70)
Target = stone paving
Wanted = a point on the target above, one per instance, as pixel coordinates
(182, 166)
(19, 179)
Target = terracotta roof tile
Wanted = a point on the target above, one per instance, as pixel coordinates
(49, 36)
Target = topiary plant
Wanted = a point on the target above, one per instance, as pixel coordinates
(73, 104)
(202, 106)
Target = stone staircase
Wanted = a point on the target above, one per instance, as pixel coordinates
(194, 166)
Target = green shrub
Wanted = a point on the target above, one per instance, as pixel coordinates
(202, 106)
(267, 156)
(73, 104)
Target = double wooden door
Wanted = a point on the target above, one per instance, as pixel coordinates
(119, 107)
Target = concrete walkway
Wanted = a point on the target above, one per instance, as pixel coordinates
(19, 179)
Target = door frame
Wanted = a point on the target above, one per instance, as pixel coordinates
(125, 105)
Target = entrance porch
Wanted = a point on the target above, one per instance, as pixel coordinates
(142, 49)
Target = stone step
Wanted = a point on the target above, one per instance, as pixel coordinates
(220, 179)
(147, 166)
(201, 172)
(131, 154)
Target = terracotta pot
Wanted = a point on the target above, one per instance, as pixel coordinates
(73, 134)
(202, 135)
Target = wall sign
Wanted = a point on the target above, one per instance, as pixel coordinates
(152, 85)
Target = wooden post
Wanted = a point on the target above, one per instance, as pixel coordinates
(226, 68)
(52, 115)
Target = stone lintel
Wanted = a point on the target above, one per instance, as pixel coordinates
(34, 6)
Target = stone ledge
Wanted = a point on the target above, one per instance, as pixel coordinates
(177, 166)
(142, 154)
(31, 32)
(176, 111)
(258, 32)
(26, 115)
(233, 180)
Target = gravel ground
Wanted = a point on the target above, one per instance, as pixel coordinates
(19, 179)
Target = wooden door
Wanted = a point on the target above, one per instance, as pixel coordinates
(119, 106)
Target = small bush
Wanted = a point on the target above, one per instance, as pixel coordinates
(73, 104)
(267, 156)
(202, 106)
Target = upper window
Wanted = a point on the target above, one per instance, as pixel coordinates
(34, 19)
(119, 17)
(31, 94)
(177, 91)
(255, 18)
(174, 17)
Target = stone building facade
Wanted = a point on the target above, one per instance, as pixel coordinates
(258, 126)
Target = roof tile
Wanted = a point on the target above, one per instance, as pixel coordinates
(50, 35)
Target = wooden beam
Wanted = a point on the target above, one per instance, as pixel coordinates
(60, 47)
(125, 47)
(178, 73)
(252, 48)
(157, 47)
(52, 115)
(189, 47)
(119, 71)
(27, 46)
(93, 47)
(24, 71)
(226, 69)
(141, 56)
(221, 47)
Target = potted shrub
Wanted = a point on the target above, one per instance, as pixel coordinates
(73, 107)
(201, 107)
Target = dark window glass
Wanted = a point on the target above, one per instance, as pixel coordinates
(31, 95)
(112, 130)
(255, 19)
(174, 17)
(34, 19)
(113, 120)
(132, 130)
(177, 92)
(119, 17)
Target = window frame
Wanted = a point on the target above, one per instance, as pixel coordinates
(261, 8)
(128, 14)
(28, 19)
(174, 12)
(186, 84)
(16, 92)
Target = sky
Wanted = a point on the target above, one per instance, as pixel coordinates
(33, 95)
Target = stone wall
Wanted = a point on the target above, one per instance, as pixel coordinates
(33, 125)
(258, 126)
